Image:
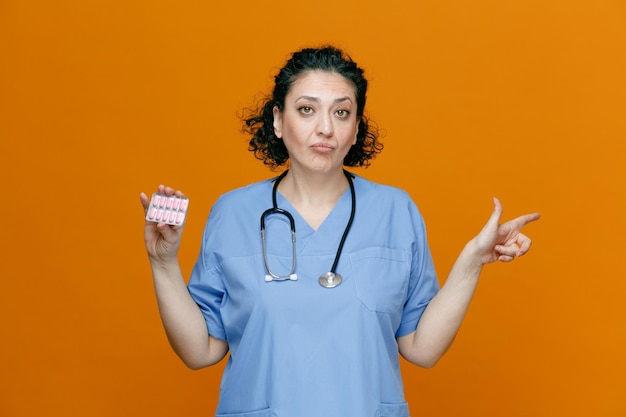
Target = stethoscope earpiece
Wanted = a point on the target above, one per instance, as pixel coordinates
(292, 277)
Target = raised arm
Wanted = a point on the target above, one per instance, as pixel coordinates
(442, 318)
(182, 319)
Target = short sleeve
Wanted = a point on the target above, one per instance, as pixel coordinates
(423, 283)
(206, 284)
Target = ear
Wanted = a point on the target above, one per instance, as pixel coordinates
(278, 122)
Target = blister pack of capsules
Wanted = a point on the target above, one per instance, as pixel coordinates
(168, 209)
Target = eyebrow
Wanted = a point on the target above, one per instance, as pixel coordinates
(316, 99)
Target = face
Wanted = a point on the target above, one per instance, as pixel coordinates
(318, 123)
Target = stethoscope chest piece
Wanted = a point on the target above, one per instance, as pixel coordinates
(329, 280)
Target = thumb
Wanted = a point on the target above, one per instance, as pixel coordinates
(494, 219)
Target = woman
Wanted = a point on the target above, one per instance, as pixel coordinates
(316, 330)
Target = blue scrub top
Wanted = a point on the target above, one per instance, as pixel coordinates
(298, 349)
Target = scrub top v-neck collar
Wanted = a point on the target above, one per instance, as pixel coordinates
(336, 221)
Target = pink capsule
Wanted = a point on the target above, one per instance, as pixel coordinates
(170, 201)
(183, 204)
(172, 217)
(177, 204)
(152, 213)
(180, 217)
(155, 200)
(159, 215)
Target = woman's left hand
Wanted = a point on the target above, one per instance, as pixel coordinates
(503, 242)
(445, 312)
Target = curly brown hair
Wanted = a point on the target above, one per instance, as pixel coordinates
(259, 123)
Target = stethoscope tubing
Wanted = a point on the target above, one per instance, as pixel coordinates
(292, 225)
(349, 225)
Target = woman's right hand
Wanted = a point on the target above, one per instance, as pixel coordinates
(182, 319)
(162, 240)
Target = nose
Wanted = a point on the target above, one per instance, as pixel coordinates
(325, 125)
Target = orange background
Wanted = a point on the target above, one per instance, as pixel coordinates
(524, 100)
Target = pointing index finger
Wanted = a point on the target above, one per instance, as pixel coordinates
(527, 218)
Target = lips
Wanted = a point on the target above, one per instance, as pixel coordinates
(322, 147)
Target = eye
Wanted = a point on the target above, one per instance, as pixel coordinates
(305, 109)
(341, 113)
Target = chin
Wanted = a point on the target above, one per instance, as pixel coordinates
(324, 165)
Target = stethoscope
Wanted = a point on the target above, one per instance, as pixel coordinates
(329, 279)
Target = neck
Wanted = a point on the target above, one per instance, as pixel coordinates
(314, 196)
(313, 188)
